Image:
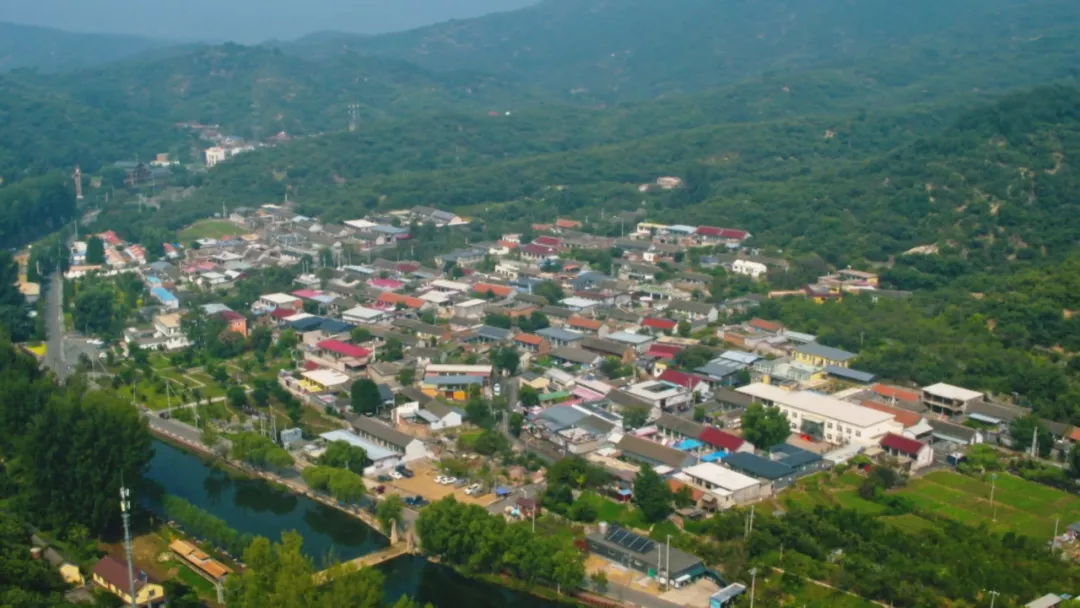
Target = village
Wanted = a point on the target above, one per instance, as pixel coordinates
(522, 339)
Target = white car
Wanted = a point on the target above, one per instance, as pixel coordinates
(473, 489)
(441, 479)
(497, 389)
(395, 475)
(449, 480)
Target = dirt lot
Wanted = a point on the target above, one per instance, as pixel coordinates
(424, 485)
(694, 596)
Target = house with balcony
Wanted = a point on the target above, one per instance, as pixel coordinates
(822, 356)
(339, 356)
(167, 327)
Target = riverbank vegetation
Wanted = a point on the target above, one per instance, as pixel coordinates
(201, 523)
(469, 537)
(342, 484)
(260, 451)
(279, 575)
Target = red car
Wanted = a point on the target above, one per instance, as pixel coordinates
(380, 489)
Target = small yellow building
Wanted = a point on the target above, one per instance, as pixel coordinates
(823, 356)
(111, 575)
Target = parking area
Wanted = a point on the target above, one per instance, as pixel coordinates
(424, 484)
(695, 595)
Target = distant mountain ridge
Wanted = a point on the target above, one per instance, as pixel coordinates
(611, 50)
(52, 50)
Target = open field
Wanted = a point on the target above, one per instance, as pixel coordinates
(209, 229)
(1022, 506)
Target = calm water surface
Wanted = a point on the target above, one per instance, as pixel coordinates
(253, 506)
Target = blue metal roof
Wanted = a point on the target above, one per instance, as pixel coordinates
(688, 444)
(826, 352)
(757, 466)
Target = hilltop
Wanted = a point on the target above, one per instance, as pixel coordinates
(52, 50)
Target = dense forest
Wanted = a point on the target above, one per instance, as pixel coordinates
(615, 50)
(34, 207)
(52, 50)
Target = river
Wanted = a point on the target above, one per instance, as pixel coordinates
(253, 506)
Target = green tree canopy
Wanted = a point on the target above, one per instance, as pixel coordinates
(765, 426)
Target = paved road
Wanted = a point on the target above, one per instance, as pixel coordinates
(639, 598)
(55, 331)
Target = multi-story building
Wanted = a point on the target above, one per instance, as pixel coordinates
(838, 422)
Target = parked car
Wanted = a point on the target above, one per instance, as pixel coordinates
(383, 478)
(415, 501)
(461, 483)
(380, 489)
(473, 489)
(449, 480)
(405, 471)
(497, 389)
(395, 475)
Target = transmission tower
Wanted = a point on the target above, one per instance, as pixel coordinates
(354, 116)
(78, 183)
(125, 510)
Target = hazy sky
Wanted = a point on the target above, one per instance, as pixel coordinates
(243, 20)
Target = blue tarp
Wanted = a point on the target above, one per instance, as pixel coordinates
(714, 456)
(688, 444)
(501, 491)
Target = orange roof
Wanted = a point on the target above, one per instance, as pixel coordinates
(568, 223)
(500, 290)
(533, 339)
(1075, 434)
(764, 325)
(904, 417)
(576, 321)
(894, 392)
(509, 244)
(675, 484)
(396, 298)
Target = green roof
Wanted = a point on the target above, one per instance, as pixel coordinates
(558, 395)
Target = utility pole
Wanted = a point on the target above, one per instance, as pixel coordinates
(1035, 442)
(750, 523)
(1053, 541)
(534, 518)
(993, 486)
(125, 511)
(753, 581)
(993, 598)
(667, 562)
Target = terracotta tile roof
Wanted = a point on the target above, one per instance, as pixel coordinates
(677, 485)
(904, 445)
(114, 572)
(764, 325)
(1075, 434)
(547, 241)
(567, 223)
(533, 339)
(344, 348)
(904, 417)
(281, 313)
(582, 322)
(894, 392)
(727, 233)
(390, 297)
(719, 439)
(500, 290)
(664, 351)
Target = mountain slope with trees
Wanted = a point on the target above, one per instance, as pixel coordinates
(52, 50)
(631, 49)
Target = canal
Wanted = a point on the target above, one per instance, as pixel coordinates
(253, 506)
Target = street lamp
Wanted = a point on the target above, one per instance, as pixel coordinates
(753, 581)
(993, 597)
(993, 486)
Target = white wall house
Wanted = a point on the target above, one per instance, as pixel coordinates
(835, 421)
(748, 268)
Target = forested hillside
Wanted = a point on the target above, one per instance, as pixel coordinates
(256, 92)
(35, 207)
(52, 50)
(632, 49)
(47, 128)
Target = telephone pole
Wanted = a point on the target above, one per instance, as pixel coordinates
(993, 486)
(753, 584)
(993, 597)
(125, 511)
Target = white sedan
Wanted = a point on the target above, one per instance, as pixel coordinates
(395, 475)
(441, 479)
(449, 480)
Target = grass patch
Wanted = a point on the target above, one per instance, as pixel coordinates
(209, 229)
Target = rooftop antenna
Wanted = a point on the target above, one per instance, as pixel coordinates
(354, 114)
(125, 512)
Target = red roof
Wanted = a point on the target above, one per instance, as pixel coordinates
(564, 223)
(664, 350)
(725, 233)
(676, 485)
(534, 249)
(665, 324)
(764, 325)
(681, 378)
(344, 348)
(901, 444)
(115, 572)
(281, 313)
(894, 392)
(407, 267)
(548, 241)
(230, 315)
(311, 366)
(390, 284)
(719, 439)
(306, 293)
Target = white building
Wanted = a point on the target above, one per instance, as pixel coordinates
(215, 155)
(168, 327)
(751, 269)
(435, 414)
(470, 309)
(833, 420)
(728, 487)
(662, 395)
(383, 460)
(363, 315)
